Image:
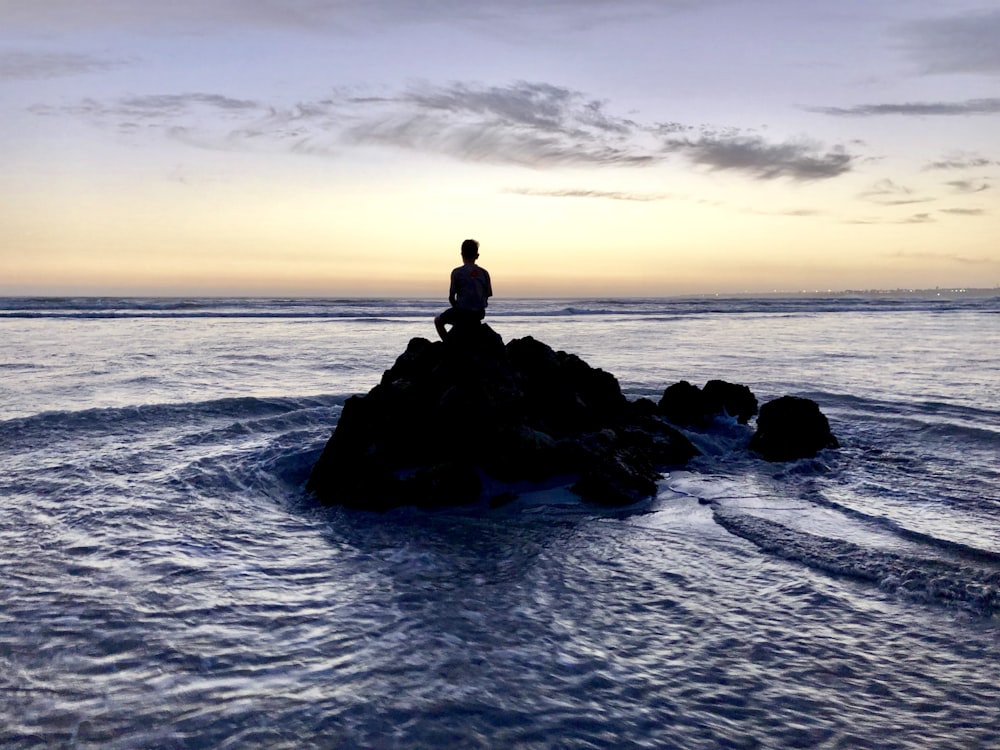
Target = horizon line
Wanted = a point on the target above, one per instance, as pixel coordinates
(969, 290)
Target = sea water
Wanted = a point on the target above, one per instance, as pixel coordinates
(166, 581)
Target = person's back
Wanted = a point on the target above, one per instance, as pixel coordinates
(469, 292)
(470, 286)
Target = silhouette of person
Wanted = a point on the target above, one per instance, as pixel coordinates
(469, 292)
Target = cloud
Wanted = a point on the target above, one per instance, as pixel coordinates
(968, 186)
(528, 124)
(791, 212)
(536, 105)
(888, 193)
(206, 120)
(920, 218)
(651, 197)
(172, 104)
(798, 160)
(325, 15)
(964, 211)
(928, 218)
(962, 161)
(28, 66)
(990, 106)
(959, 44)
(938, 257)
(606, 194)
(924, 218)
(159, 107)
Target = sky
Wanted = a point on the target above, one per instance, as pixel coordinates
(593, 147)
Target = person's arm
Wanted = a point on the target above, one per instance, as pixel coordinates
(489, 284)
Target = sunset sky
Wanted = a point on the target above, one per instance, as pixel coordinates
(594, 147)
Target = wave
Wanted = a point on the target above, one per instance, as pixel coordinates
(48, 428)
(922, 579)
(243, 450)
(278, 314)
(210, 307)
(898, 529)
(392, 308)
(924, 418)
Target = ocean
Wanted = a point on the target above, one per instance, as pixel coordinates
(167, 582)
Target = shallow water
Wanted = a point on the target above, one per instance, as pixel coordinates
(166, 582)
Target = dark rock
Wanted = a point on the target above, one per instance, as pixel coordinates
(615, 482)
(684, 404)
(735, 400)
(562, 393)
(522, 452)
(449, 414)
(791, 427)
(442, 485)
(642, 407)
(690, 406)
(657, 440)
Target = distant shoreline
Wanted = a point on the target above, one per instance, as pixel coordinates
(949, 293)
(900, 293)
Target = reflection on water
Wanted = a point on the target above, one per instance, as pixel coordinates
(167, 584)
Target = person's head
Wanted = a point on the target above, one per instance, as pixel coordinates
(470, 250)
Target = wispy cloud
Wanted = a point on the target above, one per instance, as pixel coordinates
(964, 211)
(528, 124)
(604, 194)
(27, 66)
(206, 120)
(927, 217)
(646, 197)
(962, 161)
(919, 218)
(959, 44)
(968, 186)
(938, 257)
(174, 104)
(922, 218)
(797, 213)
(888, 193)
(536, 105)
(326, 15)
(797, 160)
(531, 124)
(989, 106)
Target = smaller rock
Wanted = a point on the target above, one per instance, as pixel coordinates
(735, 400)
(791, 427)
(684, 404)
(690, 406)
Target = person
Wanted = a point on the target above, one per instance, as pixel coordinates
(470, 290)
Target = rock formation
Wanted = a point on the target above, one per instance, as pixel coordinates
(453, 421)
(471, 420)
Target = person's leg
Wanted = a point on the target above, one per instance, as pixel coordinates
(445, 318)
